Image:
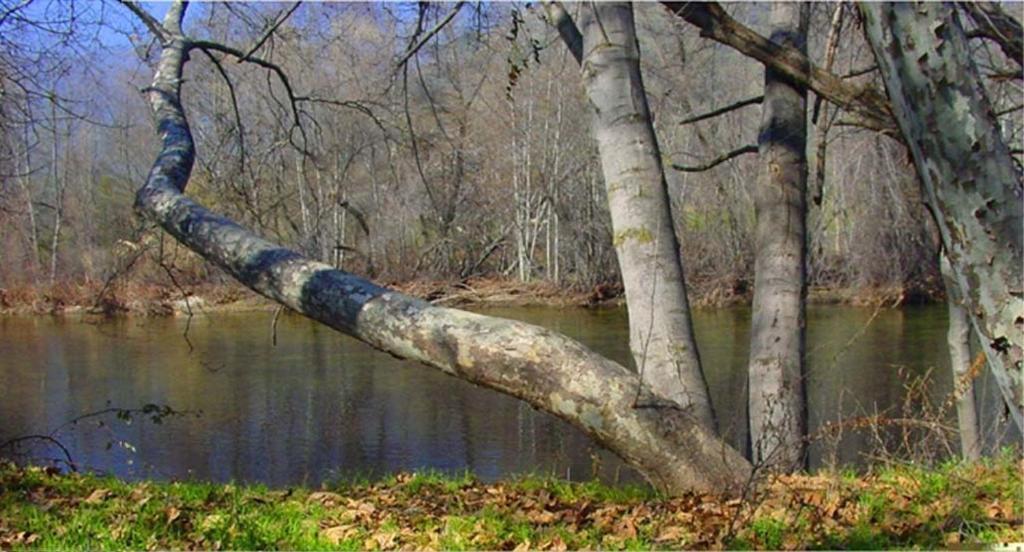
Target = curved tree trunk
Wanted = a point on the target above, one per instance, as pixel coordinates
(778, 420)
(967, 175)
(660, 331)
(674, 450)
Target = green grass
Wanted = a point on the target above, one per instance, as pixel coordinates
(892, 507)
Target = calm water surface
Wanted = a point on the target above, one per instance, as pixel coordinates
(319, 405)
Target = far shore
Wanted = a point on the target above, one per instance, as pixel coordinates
(167, 300)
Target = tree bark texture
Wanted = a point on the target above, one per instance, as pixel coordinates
(547, 370)
(661, 334)
(778, 420)
(958, 340)
(967, 175)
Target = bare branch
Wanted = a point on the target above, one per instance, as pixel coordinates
(859, 72)
(154, 26)
(429, 34)
(276, 69)
(563, 23)
(718, 160)
(998, 26)
(266, 36)
(831, 47)
(723, 110)
(866, 103)
(234, 107)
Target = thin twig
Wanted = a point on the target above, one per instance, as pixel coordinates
(426, 37)
(266, 36)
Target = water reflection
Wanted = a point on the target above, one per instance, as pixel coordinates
(320, 405)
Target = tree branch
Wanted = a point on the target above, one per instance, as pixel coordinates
(866, 103)
(148, 20)
(723, 110)
(718, 160)
(275, 68)
(430, 34)
(563, 23)
(544, 368)
(266, 36)
(234, 106)
(998, 26)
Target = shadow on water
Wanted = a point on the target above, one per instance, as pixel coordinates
(320, 405)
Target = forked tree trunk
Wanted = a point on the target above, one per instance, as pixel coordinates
(549, 371)
(958, 341)
(967, 175)
(660, 331)
(778, 420)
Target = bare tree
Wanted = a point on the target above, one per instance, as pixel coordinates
(661, 332)
(968, 178)
(671, 447)
(778, 418)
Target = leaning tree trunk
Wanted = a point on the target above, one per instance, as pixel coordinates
(541, 367)
(660, 331)
(959, 343)
(967, 175)
(778, 419)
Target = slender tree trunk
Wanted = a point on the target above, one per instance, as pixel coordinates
(661, 334)
(778, 419)
(59, 185)
(541, 367)
(24, 181)
(958, 337)
(967, 175)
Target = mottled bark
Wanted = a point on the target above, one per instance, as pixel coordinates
(660, 329)
(777, 406)
(669, 446)
(967, 175)
(958, 340)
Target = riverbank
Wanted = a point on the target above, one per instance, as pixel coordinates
(167, 300)
(955, 505)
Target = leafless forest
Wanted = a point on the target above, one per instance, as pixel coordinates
(472, 157)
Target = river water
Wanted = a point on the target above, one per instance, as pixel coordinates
(319, 406)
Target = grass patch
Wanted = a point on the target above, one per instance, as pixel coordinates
(895, 507)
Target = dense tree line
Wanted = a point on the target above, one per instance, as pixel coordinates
(397, 173)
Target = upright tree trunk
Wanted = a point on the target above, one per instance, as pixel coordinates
(24, 181)
(59, 186)
(967, 175)
(541, 367)
(660, 330)
(958, 337)
(778, 419)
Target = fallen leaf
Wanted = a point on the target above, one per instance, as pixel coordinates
(671, 534)
(339, 533)
(97, 496)
(211, 521)
(541, 516)
(326, 498)
(172, 514)
(556, 544)
(386, 540)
